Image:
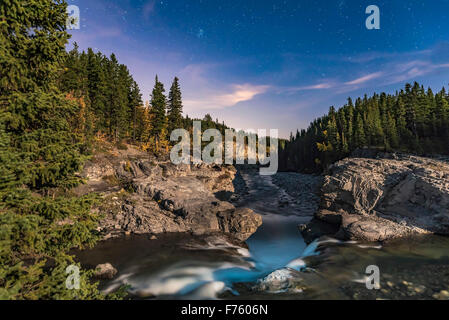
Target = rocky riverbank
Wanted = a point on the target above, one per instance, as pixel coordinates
(301, 189)
(380, 199)
(370, 199)
(148, 195)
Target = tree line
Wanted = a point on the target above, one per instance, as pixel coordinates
(113, 101)
(42, 147)
(412, 120)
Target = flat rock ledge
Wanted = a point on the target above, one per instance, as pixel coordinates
(384, 198)
(167, 198)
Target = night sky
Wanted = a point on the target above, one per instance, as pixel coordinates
(271, 64)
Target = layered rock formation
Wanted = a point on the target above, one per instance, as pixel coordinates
(164, 197)
(383, 198)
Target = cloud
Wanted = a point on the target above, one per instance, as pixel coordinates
(319, 86)
(197, 73)
(218, 100)
(413, 69)
(391, 73)
(148, 9)
(364, 79)
(241, 93)
(324, 85)
(371, 57)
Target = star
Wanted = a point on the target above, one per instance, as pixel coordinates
(200, 33)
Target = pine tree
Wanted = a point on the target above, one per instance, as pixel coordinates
(157, 111)
(391, 132)
(97, 86)
(442, 116)
(142, 128)
(401, 121)
(174, 117)
(332, 132)
(40, 155)
(359, 134)
(344, 145)
(410, 109)
(74, 76)
(119, 104)
(350, 123)
(135, 102)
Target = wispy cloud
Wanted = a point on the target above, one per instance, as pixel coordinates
(368, 57)
(204, 91)
(217, 100)
(379, 69)
(324, 85)
(148, 9)
(413, 69)
(364, 79)
(392, 72)
(241, 93)
(197, 73)
(318, 86)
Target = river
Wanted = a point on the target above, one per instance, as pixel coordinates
(184, 266)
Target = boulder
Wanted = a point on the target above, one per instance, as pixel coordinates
(241, 222)
(385, 198)
(105, 271)
(281, 280)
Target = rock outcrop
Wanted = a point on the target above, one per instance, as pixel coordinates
(163, 197)
(384, 198)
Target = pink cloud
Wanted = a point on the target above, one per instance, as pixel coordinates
(218, 100)
(319, 86)
(364, 79)
(241, 93)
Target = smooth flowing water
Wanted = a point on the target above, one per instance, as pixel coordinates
(183, 266)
